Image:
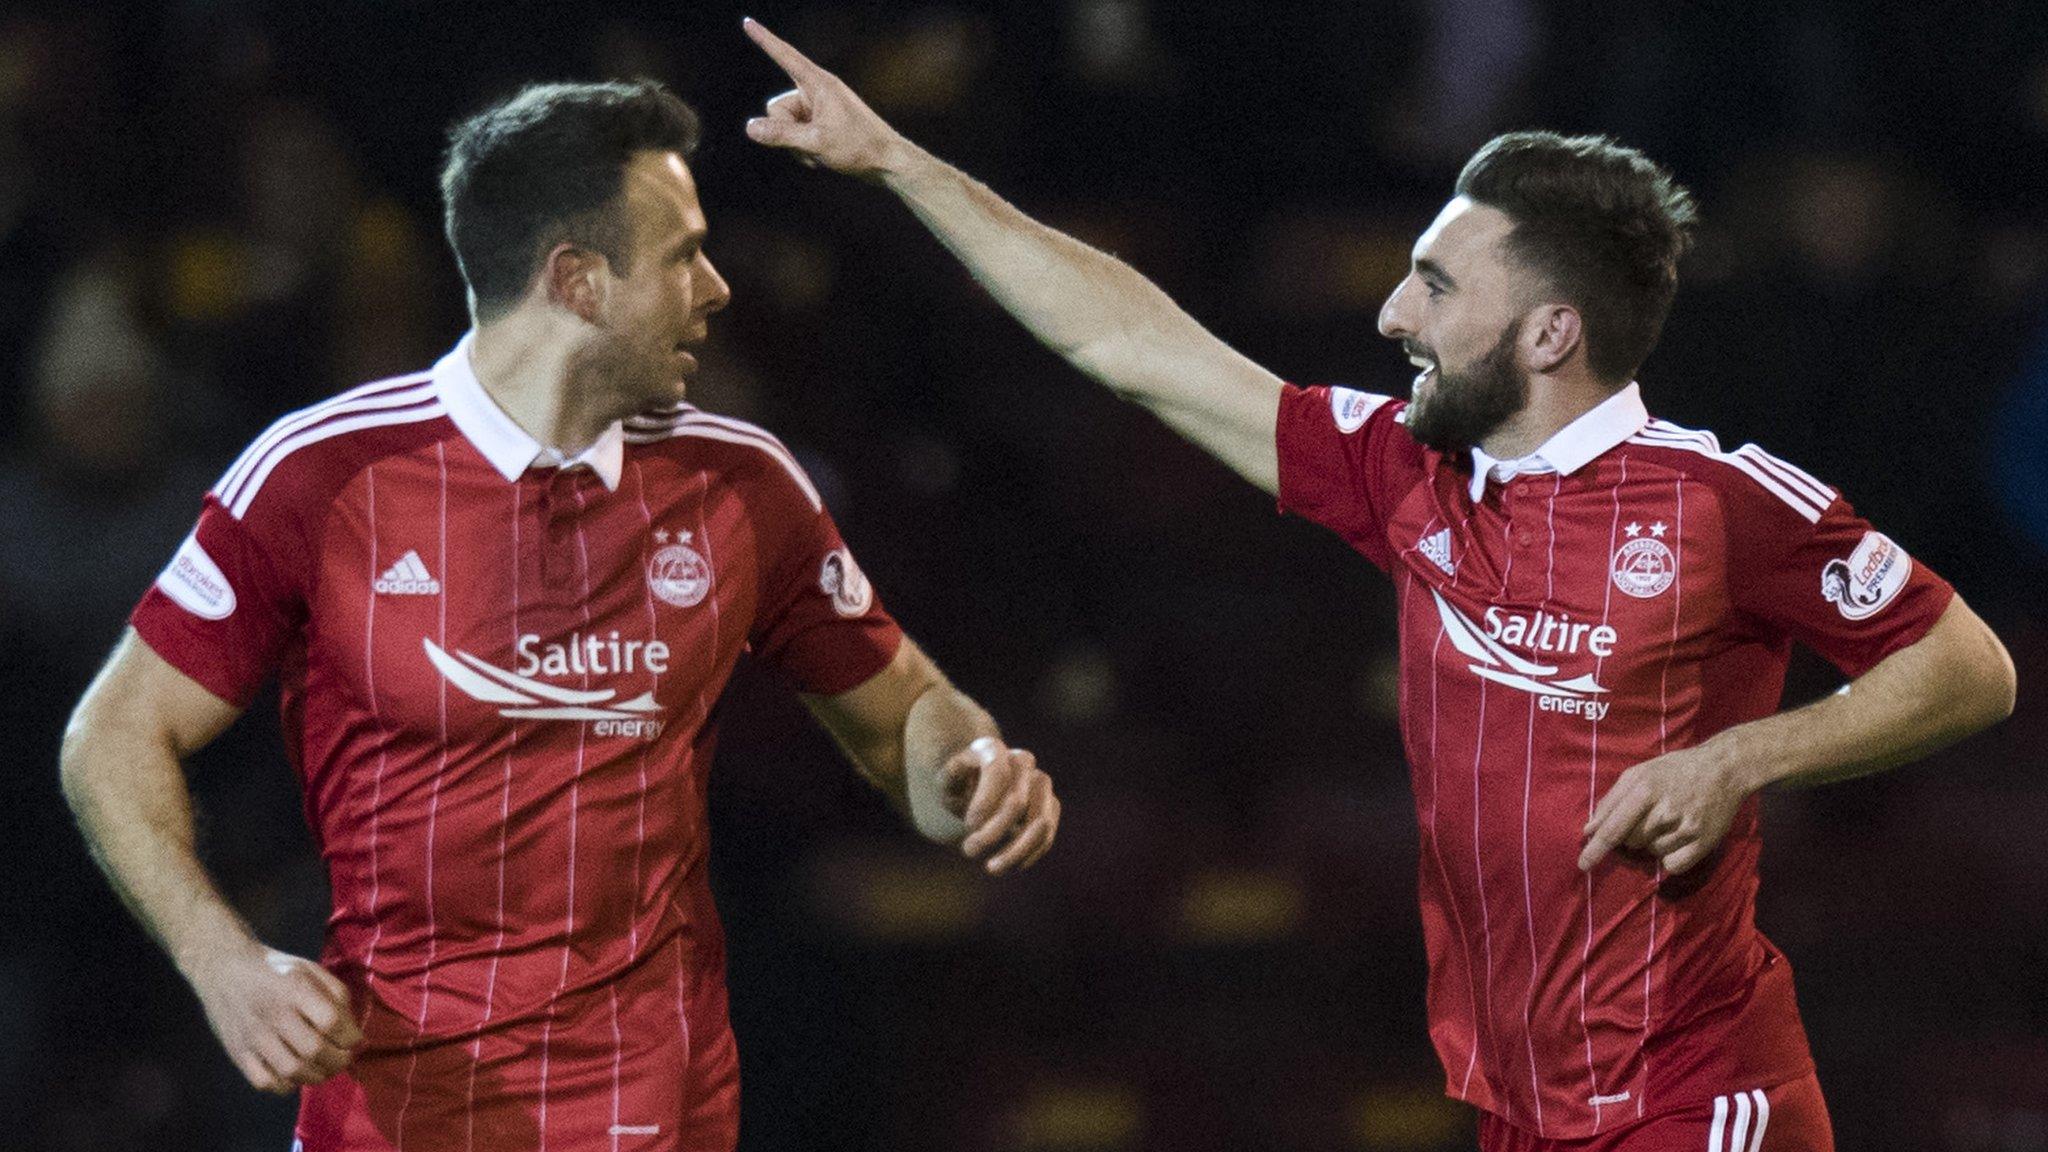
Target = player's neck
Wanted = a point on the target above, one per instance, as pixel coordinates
(1553, 404)
(529, 370)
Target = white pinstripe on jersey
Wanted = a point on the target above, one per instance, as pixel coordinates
(1663, 746)
(1593, 795)
(1478, 856)
(433, 822)
(383, 758)
(1436, 852)
(1528, 806)
(575, 814)
(476, 1052)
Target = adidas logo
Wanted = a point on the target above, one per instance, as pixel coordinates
(408, 577)
(1438, 549)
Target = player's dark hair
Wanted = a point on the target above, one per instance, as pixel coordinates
(548, 167)
(1601, 223)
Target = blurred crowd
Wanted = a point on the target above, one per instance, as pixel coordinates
(211, 213)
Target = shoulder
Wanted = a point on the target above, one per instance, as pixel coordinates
(747, 454)
(1748, 480)
(1328, 421)
(1347, 409)
(307, 456)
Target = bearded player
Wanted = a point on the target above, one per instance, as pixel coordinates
(1596, 609)
(502, 596)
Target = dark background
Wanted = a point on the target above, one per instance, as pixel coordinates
(213, 212)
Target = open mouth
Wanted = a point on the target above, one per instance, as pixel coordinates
(1428, 372)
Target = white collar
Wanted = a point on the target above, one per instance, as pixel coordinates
(510, 448)
(1574, 446)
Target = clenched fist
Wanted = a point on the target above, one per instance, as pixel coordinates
(284, 1020)
(1003, 798)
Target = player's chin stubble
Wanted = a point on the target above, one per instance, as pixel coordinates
(1464, 408)
(633, 369)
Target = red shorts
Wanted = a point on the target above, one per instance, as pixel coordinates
(612, 1069)
(1791, 1117)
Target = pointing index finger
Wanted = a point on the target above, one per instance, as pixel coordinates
(798, 65)
(1613, 829)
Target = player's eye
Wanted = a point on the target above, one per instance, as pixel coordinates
(1436, 291)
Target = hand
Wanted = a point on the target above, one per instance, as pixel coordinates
(284, 1020)
(1675, 807)
(1003, 798)
(821, 120)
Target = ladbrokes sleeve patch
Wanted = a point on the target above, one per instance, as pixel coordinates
(1350, 408)
(1860, 586)
(842, 580)
(195, 583)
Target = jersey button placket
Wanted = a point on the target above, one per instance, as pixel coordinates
(558, 560)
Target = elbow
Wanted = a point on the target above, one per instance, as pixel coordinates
(1107, 358)
(75, 779)
(1995, 683)
(2005, 684)
(75, 760)
(1975, 675)
(91, 750)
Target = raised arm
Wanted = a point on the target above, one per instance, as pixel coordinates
(284, 1020)
(938, 757)
(1090, 307)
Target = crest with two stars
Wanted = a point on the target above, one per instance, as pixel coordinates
(678, 573)
(1644, 567)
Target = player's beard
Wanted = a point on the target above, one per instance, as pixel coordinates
(1461, 409)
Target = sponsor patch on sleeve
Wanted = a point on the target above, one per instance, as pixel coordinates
(845, 583)
(1350, 408)
(196, 583)
(1869, 579)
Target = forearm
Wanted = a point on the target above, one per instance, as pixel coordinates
(135, 811)
(1090, 307)
(943, 723)
(1951, 684)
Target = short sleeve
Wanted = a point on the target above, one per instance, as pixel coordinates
(1332, 444)
(222, 610)
(820, 625)
(1822, 575)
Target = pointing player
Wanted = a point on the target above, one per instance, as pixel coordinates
(1595, 612)
(502, 596)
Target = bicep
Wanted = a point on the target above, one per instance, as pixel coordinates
(1213, 395)
(1958, 665)
(140, 695)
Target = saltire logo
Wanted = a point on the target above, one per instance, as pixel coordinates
(1492, 660)
(525, 698)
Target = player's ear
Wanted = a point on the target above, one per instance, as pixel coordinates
(1551, 334)
(571, 277)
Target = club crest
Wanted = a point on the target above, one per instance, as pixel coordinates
(678, 575)
(1644, 567)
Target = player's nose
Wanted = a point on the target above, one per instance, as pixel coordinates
(1393, 319)
(714, 292)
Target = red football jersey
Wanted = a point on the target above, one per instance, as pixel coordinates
(498, 669)
(1627, 590)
